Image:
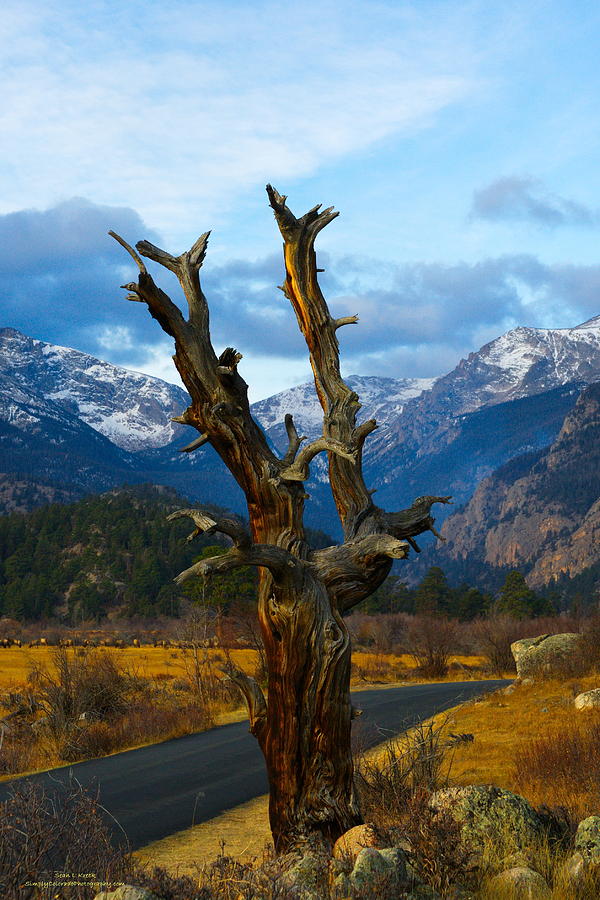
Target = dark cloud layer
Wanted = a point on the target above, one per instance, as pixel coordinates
(61, 275)
(523, 198)
(423, 305)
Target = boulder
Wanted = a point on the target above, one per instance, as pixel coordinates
(353, 841)
(519, 883)
(380, 873)
(587, 839)
(581, 876)
(581, 870)
(547, 655)
(308, 876)
(588, 700)
(490, 817)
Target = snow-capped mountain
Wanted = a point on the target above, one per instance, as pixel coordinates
(439, 435)
(130, 409)
(382, 399)
(524, 362)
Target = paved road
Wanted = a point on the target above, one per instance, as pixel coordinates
(157, 790)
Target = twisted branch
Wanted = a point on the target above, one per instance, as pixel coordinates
(205, 524)
(255, 699)
(299, 470)
(294, 441)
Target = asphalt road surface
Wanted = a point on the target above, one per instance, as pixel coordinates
(155, 791)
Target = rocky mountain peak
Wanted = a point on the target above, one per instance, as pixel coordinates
(131, 409)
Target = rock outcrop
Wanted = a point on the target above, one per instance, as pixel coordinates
(488, 815)
(540, 513)
(588, 700)
(547, 655)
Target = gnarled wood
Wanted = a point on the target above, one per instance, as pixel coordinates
(304, 727)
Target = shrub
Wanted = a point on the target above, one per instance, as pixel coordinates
(437, 852)
(16, 749)
(97, 739)
(418, 762)
(590, 644)
(565, 762)
(494, 637)
(42, 833)
(431, 641)
(92, 684)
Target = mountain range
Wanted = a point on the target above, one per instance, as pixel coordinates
(71, 424)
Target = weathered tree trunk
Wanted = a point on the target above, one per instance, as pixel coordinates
(303, 728)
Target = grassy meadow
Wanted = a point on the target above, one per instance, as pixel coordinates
(158, 693)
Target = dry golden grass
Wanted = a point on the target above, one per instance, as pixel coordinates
(150, 661)
(389, 668)
(146, 661)
(503, 724)
(244, 831)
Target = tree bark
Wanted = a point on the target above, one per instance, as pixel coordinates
(303, 725)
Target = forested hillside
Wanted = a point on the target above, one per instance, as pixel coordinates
(114, 551)
(116, 554)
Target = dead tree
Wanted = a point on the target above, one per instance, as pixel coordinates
(303, 725)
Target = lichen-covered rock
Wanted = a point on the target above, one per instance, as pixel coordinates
(547, 655)
(356, 839)
(379, 873)
(520, 883)
(369, 864)
(396, 857)
(490, 816)
(587, 839)
(588, 700)
(127, 892)
(309, 876)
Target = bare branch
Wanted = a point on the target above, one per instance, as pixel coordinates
(361, 432)
(195, 445)
(198, 251)
(413, 521)
(257, 705)
(150, 251)
(186, 268)
(184, 419)
(344, 320)
(339, 403)
(139, 262)
(298, 471)
(205, 524)
(355, 569)
(228, 361)
(294, 441)
(278, 561)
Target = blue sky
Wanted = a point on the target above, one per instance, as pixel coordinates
(459, 140)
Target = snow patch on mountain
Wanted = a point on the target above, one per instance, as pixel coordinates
(381, 398)
(131, 409)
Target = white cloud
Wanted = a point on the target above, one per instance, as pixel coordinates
(191, 104)
(116, 337)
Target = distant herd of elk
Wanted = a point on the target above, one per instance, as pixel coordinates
(120, 643)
